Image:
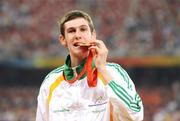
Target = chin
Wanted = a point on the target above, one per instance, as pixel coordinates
(82, 54)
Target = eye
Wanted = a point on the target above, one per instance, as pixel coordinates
(71, 31)
(83, 29)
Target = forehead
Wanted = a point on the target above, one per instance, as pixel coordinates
(76, 23)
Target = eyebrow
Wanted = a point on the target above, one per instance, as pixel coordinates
(77, 27)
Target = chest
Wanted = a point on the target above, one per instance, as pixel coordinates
(78, 96)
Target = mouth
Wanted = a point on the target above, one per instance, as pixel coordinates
(81, 44)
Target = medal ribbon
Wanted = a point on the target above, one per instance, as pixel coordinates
(91, 72)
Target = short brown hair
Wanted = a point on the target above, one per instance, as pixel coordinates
(73, 15)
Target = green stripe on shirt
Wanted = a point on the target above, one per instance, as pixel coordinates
(122, 72)
(125, 97)
(57, 70)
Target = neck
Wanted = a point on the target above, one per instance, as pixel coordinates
(75, 61)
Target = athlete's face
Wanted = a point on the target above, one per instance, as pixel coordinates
(77, 30)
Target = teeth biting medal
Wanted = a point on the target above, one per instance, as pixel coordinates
(86, 44)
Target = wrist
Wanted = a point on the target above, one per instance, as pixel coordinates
(102, 69)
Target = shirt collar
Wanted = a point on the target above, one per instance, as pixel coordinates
(71, 73)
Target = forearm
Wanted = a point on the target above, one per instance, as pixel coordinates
(127, 104)
(121, 92)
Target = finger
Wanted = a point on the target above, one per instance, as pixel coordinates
(94, 49)
(98, 43)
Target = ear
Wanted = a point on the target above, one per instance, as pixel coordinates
(94, 34)
(62, 40)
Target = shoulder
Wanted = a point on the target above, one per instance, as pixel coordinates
(114, 66)
(55, 71)
(49, 80)
(116, 70)
(119, 73)
(52, 76)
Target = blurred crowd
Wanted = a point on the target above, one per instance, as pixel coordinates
(28, 29)
(18, 103)
(160, 103)
(154, 27)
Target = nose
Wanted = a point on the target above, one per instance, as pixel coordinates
(78, 35)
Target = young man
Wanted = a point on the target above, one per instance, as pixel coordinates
(86, 87)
